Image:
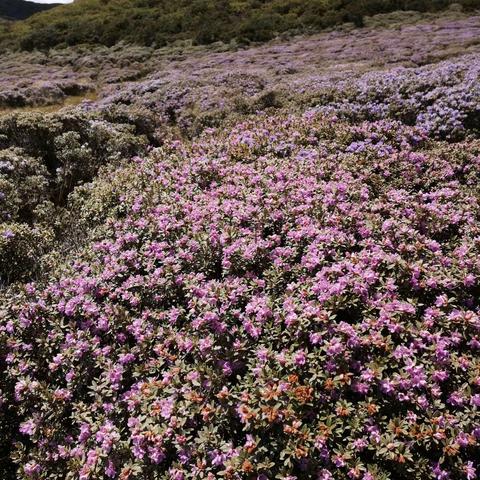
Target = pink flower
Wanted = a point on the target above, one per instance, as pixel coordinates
(32, 469)
(28, 428)
(300, 358)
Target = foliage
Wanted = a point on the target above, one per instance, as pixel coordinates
(43, 159)
(161, 22)
(263, 302)
(254, 264)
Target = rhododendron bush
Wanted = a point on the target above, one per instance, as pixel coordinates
(262, 303)
(291, 295)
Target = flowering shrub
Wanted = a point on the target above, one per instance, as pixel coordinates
(336, 72)
(198, 87)
(296, 297)
(292, 294)
(443, 99)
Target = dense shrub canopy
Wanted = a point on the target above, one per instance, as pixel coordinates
(296, 297)
(161, 22)
(261, 264)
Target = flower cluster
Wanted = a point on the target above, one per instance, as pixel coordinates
(196, 87)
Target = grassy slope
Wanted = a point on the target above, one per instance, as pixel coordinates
(203, 21)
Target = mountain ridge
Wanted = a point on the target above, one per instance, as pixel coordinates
(22, 9)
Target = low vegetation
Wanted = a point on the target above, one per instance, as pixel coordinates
(245, 264)
(161, 22)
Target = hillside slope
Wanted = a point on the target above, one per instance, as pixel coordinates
(161, 22)
(292, 292)
(244, 263)
(21, 9)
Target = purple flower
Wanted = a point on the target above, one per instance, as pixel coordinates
(32, 469)
(28, 428)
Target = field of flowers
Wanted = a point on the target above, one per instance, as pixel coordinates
(252, 264)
